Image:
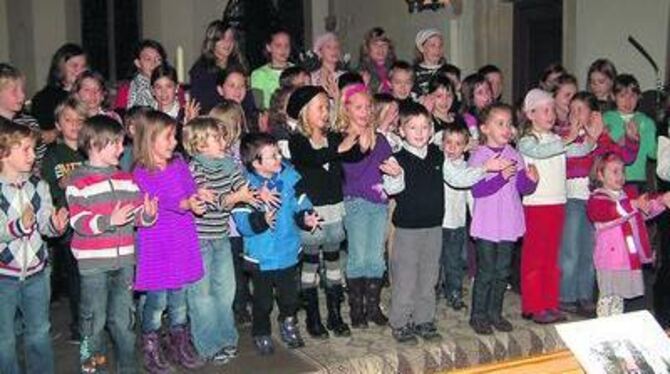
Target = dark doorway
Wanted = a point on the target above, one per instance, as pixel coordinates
(538, 33)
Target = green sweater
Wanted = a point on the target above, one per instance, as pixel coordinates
(637, 171)
(59, 162)
(265, 80)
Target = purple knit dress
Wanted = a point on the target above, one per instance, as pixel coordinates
(168, 254)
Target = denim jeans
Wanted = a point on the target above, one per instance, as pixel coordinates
(493, 268)
(365, 223)
(452, 261)
(155, 304)
(210, 300)
(576, 257)
(30, 297)
(107, 300)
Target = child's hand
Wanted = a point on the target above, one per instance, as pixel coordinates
(596, 127)
(347, 143)
(121, 215)
(365, 140)
(247, 195)
(271, 218)
(269, 196)
(150, 206)
(532, 174)
(313, 221)
(264, 122)
(191, 110)
(196, 205)
(391, 167)
(509, 172)
(496, 163)
(642, 203)
(632, 131)
(28, 217)
(206, 195)
(59, 219)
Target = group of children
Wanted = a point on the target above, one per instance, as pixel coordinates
(182, 198)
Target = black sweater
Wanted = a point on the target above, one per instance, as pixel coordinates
(322, 184)
(421, 203)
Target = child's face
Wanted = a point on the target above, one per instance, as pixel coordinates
(147, 61)
(496, 83)
(401, 83)
(91, 94)
(279, 49)
(165, 91)
(564, 95)
(318, 114)
(388, 118)
(69, 124)
(600, 85)
(612, 176)
(543, 116)
(234, 88)
(20, 158)
(72, 68)
(378, 49)
(110, 153)
(626, 101)
(224, 47)
(579, 113)
(12, 96)
(482, 96)
(269, 161)
(330, 52)
(300, 80)
(454, 144)
(433, 49)
(214, 147)
(164, 145)
(498, 128)
(417, 131)
(444, 99)
(359, 109)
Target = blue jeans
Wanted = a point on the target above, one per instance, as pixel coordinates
(31, 298)
(365, 223)
(210, 300)
(452, 261)
(107, 299)
(155, 304)
(576, 257)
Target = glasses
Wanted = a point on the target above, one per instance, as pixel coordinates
(273, 157)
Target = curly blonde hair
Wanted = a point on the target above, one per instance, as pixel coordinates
(197, 130)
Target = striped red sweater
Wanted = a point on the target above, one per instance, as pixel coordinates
(92, 195)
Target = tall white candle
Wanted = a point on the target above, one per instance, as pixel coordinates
(180, 64)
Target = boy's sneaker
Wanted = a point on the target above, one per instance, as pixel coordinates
(242, 317)
(502, 324)
(230, 350)
(405, 335)
(224, 355)
(481, 326)
(456, 302)
(290, 333)
(427, 331)
(264, 345)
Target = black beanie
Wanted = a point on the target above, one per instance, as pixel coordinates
(300, 97)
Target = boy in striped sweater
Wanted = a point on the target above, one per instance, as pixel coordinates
(26, 213)
(105, 206)
(210, 300)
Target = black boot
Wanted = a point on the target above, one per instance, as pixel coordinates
(313, 321)
(372, 298)
(356, 302)
(334, 295)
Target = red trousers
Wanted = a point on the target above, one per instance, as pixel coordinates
(540, 272)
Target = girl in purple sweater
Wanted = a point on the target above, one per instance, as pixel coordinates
(168, 257)
(366, 207)
(497, 218)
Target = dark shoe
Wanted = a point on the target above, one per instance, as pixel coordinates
(456, 302)
(264, 345)
(373, 312)
(568, 307)
(357, 302)
(558, 315)
(313, 321)
(181, 348)
(481, 326)
(527, 316)
(427, 331)
(405, 335)
(224, 356)
(154, 359)
(335, 323)
(290, 333)
(586, 308)
(502, 324)
(544, 317)
(242, 317)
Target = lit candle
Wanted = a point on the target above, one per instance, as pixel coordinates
(180, 64)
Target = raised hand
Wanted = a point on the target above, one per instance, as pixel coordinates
(191, 110)
(391, 167)
(150, 206)
(313, 221)
(122, 214)
(596, 127)
(496, 163)
(59, 219)
(632, 131)
(269, 196)
(28, 217)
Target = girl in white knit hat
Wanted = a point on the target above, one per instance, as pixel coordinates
(429, 58)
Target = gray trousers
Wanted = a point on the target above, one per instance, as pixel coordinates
(415, 266)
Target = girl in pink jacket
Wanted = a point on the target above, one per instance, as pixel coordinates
(622, 244)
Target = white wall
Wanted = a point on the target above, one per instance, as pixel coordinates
(602, 28)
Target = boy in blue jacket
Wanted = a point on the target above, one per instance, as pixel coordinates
(272, 238)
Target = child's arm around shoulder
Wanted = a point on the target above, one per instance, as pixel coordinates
(530, 146)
